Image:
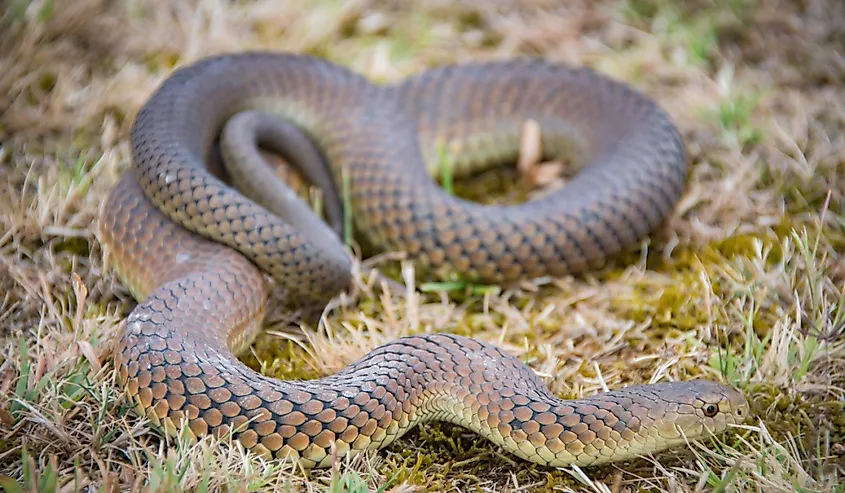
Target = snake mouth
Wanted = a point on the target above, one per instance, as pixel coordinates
(736, 408)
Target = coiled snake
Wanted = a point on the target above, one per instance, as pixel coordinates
(192, 251)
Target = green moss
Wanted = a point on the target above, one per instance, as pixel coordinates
(161, 61)
(499, 185)
(720, 251)
(673, 303)
(440, 457)
(811, 418)
(284, 360)
(665, 306)
(73, 247)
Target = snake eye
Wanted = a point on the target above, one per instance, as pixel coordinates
(710, 410)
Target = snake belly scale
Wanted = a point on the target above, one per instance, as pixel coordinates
(194, 252)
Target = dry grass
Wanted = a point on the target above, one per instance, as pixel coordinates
(745, 283)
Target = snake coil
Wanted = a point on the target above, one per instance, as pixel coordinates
(193, 251)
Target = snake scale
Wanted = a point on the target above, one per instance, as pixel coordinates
(194, 250)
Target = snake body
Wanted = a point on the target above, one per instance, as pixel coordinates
(193, 250)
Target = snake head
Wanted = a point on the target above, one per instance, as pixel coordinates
(697, 409)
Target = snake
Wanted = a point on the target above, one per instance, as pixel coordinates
(200, 231)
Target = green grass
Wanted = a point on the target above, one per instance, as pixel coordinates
(34, 480)
(735, 119)
(696, 27)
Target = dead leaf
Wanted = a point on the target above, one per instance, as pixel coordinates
(6, 418)
(530, 147)
(90, 354)
(81, 296)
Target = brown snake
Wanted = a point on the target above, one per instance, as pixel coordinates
(202, 293)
